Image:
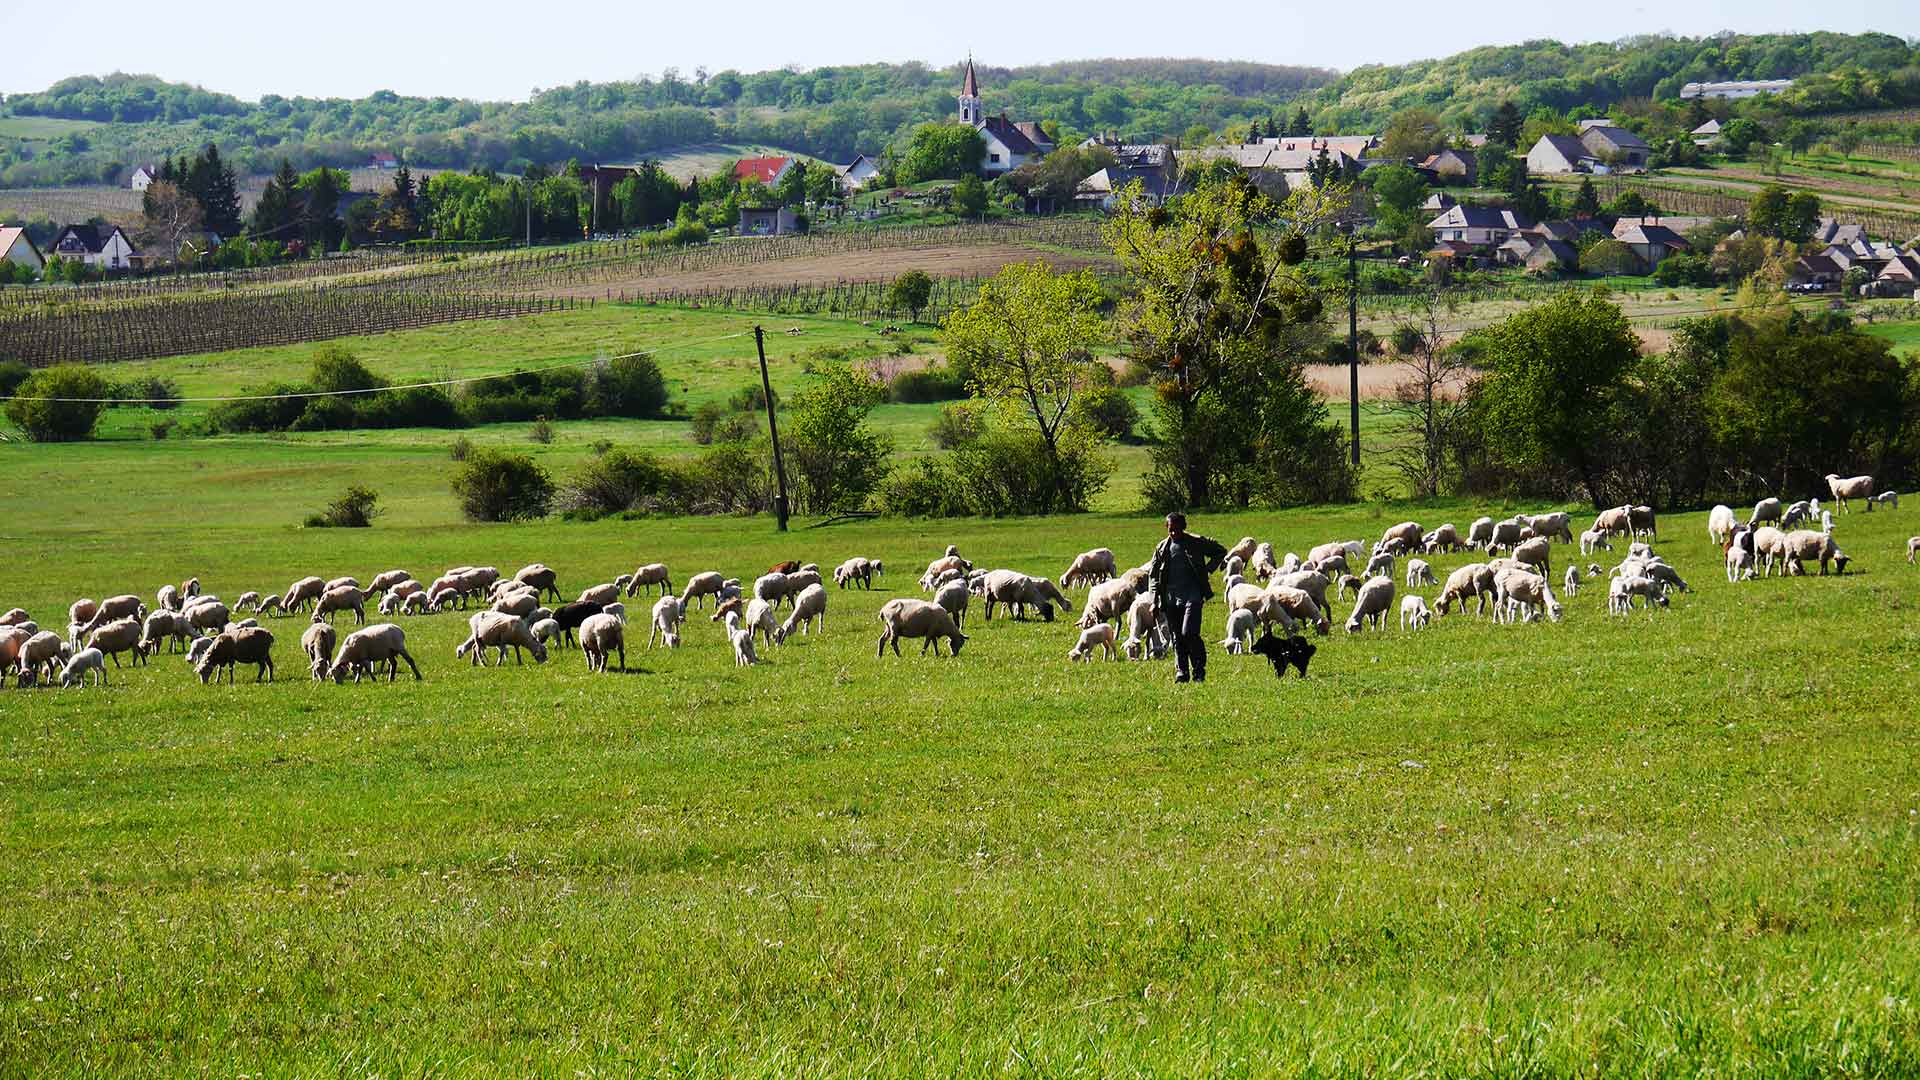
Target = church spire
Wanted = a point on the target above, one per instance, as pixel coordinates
(970, 96)
(970, 86)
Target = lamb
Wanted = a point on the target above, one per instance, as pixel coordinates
(387, 579)
(601, 636)
(949, 561)
(1797, 513)
(954, 596)
(413, 604)
(855, 570)
(1913, 548)
(43, 651)
(1100, 636)
(317, 643)
(1108, 600)
(1537, 552)
(1371, 605)
(541, 577)
(75, 673)
(648, 575)
(1241, 626)
(301, 593)
(1348, 583)
(121, 635)
(1262, 562)
(1090, 568)
(1232, 565)
(1886, 498)
(112, 609)
(668, 614)
(165, 625)
(1414, 609)
(1019, 591)
(1419, 573)
(1407, 534)
(1720, 524)
(1311, 582)
(1807, 544)
(1665, 575)
(569, 617)
(1332, 566)
(1621, 592)
(1740, 560)
(269, 604)
(1480, 533)
(491, 629)
(1850, 487)
(1525, 594)
(1445, 539)
(390, 603)
(249, 601)
(343, 598)
(1146, 635)
(809, 608)
(364, 648)
(1380, 565)
(168, 598)
(1474, 580)
(1571, 582)
(909, 618)
(243, 645)
(11, 639)
(1764, 510)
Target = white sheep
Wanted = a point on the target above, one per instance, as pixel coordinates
(545, 630)
(1376, 596)
(1241, 627)
(1472, 581)
(1804, 544)
(949, 561)
(1419, 573)
(1146, 634)
(111, 609)
(1850, 487)
(1414, 610)
(167, 598)
(1913, 548)
(1262, 563)
(381, 643)
(857, 570)
(1408, 535)
(493, 630)
(742, 638)
(1443, 540)
(317, 643)
(1523, 594)
(809, 608)
(699, 587)
(42, 654)
(1720, 524)
(648, 575)
(542, 577)
(1770, 549)
(1506, 533)
(1739, 559)
(341, 598)
(910, 618)
(1765, 510)
(242, 645)
(1090, 568)
(1100, 636)
(1299, 606)
(603, 595)
(1622, 590)
(1265, 606)
(954, 596)
(1571, 581)
(1592, 541)
(1886, 498)
(121, 635)
(387, 579)
(211, 616)
(89, 659)
(601, 636)
(170, 626)
(303, 592)
(1796, 513)
(1380, 565)
(1537, 553)
(668, 614)
(1480, 533)
(1109, 600)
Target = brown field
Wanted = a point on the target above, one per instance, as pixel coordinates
(883, 265)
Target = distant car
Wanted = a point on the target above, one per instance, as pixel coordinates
(1806, 286)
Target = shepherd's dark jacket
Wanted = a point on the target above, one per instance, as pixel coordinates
(1203, 555)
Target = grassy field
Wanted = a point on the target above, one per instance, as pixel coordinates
(1679, 844)
(41, 128)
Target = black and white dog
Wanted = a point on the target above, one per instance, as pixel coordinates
(1294, 650)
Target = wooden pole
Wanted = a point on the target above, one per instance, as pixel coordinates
(773, 431)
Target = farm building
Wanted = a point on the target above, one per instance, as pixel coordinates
(142, 178)
(1733, 90)
(18, 248)
(1560, 154)
(768, 221)
(1650, 242)
(856, 174)
(1617, 147)
(1451, 166)
(104, 247)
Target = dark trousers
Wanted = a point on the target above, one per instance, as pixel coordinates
(1189, 644)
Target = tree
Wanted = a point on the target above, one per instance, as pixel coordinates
(211, 181)
(1738, 135)
(67, 420)
(279, 208)
(1300, 126)
(1505, 126)
(1587, 203)
(496, 486)
(1223, 322)
(1398, 190)
(837, 462)
(1553, 371)
(171, 217)
(320, 201)
(970, 197)
(1413, 134)
(1633, 204)
(942, 152)
(1426, 406)
(1775, 213)
(911, 291)
(1028, 342)
(1610, 258)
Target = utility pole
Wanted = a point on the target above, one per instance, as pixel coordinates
(773, 431)
(1353, 338)
(526, 183)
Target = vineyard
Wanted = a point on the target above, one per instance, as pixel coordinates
(68, 204)
(170, 315)
(1703, 202)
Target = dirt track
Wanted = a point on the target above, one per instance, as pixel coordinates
(884, 265)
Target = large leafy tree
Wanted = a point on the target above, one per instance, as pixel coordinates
(1552, 373)
(1224, 316)
(941, 152)
(1413, 133)
(1028, 341)
(837, 460)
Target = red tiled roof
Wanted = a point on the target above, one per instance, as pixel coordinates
(763, 169)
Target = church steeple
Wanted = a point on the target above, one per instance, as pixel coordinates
(970, 97)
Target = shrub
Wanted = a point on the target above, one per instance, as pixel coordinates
(629, 386)
(910, 292)
(12, 374)
(58, 421)
(162, 428)
(1610, 257)
(496, 486)
(1107, 410)
(273, 411)
(355, 509)
(732, 478)
(955, 426)
(1008, 472)
(336, 369)
(751, 398)
(541, 431)
(460, 448)
(1685, 270)
(327, 414)
(715, 423)
(926, 488)
(616, 481)
(416, 406)
(925, 385)
(1407, 339)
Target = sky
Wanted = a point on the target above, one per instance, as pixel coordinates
(500, 51)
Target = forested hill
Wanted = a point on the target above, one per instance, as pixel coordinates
(1833, 72)
(831, 112)
(835, 112)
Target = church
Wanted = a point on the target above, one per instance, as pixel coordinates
(1009, 144)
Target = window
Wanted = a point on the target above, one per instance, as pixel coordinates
(995, 158)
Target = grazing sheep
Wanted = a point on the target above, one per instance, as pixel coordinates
(243, 645)
(1622, 590)
(1241, 626)
(79, 614)
(390, 603)
(1770, 548)
(1739, 561)
(11, 639)
(1419, 573)
(954, 596)
(317, 643)
(170, 626)
(211, 616)
(1765, 510)
(381, 643)
(1376, 596)
(387, 579)
(1720, 524)
(520, 604)
(301, 593)
(910, 618)
(168, 598)
(1886, 498)
(269, 604)
(1019, 591)
(1804, 544)
(1147, 632)
(342, 583)
(1480, 533)
(1244, 549)
(1523, 594)
(1850, 487)
(668, 614)
(1795, 514)
(1266, 606)
(1407, 534)
(772, 587)
(343, 598)
(1913, 548)
(249, 601)
(1299, 606)
(809, 607)
(1615, 521)
(1100, 636)
(599, 594)
(493, 630)
(855, 570)
(601, 636)
(43, 653)
(701, 586)
(798, 581)
(1262, 562)
(1537, 552)
(1443, 540)
(543, 579)
(1348, 583)
(1332, 566)
(1505, 533)
(1643, 522)
(1571, 581)
(741, 637)
(1109, 600)
(1554, 525)
(1380, 565)
(1090, 568)
(112, 609)
(937, 567)
(1591, 541)
(121, 635)
(1414, 610)
(75, 673)
(650, 574)
(1311, 582)
(1474, 580)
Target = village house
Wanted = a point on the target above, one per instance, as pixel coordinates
(142, 178)
(1356, 147)
(1618, 148)
(1707, 134)
(383, 160)
(1650, 243)
(1478, 226)
(1250, 158)
(768, 221)
(1451, 166)
(767, 170)
(1561, 154)
(856, 174)
(1439, 203)
(104, 247)
(1897, 278)
(1829, 231)
(1097, 192)
(1009, 144)
(18, 248)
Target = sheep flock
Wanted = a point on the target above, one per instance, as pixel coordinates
(1525, 569)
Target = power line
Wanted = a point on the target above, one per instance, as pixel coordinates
(378, 389)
